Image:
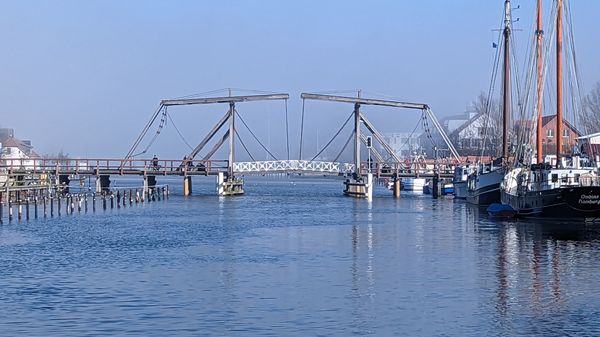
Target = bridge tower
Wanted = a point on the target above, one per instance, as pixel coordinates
(358, 186)
(227, 182)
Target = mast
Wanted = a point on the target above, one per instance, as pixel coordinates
(540, 36)
(506, 81)
(559, 82)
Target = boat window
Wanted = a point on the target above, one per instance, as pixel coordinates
(564, 178)
(554, 177)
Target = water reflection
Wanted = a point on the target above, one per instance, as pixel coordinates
(538, 268)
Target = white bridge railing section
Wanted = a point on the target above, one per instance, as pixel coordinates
(281, 166)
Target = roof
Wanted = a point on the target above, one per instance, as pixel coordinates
(589, 136)
(15, 142)
(548, 118)
(466, 124)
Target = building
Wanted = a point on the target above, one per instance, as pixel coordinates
(570, 135)
(16, 152)
(589, 144)
(470, 138)
(404, 144)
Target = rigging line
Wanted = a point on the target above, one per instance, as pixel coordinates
(409, 137)
(253, 135)
(202, 93)
(492, 86)
(158, 131)
(344, 148)
(334, 136)
(301, 130)
(287, 130)
(179, 132)
(243, 145)
(144, 131)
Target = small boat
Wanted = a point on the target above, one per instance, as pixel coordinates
(414, 184)
(501, 211)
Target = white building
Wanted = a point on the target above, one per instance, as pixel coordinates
(404, 144)
(17, 153)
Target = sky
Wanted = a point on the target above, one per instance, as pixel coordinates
(85, 76)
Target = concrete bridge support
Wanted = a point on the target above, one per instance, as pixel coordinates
(187, 186)
(63, 181)
(397, 186)
(358, 188)
(102, 183)
(229, 186)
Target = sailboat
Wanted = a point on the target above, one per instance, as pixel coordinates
(571, 187)
(483, 185)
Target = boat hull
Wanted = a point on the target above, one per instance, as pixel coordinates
(564, 202)
(414, 184)
(460, 190)
(485, 188)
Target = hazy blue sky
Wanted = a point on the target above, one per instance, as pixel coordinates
(84, 76)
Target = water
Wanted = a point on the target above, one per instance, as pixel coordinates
(295, 257)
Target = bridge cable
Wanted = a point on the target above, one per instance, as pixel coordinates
(344, 148)
(243, 145)
(287, 130)
(301, 130)
(161, 125)
(253, 135)
(177, 129)
(334, 136)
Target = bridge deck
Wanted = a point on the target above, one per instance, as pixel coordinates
(141, 167)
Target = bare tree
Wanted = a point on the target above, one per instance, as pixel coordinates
(591, 110)
(488, 112)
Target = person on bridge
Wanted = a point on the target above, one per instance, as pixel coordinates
(155, 162)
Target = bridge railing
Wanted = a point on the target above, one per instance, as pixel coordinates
(285, 166)
(118, 166)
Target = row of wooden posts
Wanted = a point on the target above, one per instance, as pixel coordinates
(46, 202)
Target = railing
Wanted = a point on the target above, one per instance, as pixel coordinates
(120, 166)
(284, 166)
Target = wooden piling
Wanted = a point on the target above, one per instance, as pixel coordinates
(35, 207)
(397, 185)
(45, 210)
(1, 209)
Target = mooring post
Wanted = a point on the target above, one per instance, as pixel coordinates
(167, 192)
(44, 202)
(130, 197)
(104, 201)
(137, 196)
(124, 198)
(51, 206)
(1, 208)
(94, 202)
(10, 210)
(112, 200)
(85, 198)
(19, 210)
(27, 209)
(35, 206)
(118, 199)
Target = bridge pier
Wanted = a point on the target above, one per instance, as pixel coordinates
(187, 186)
(229, 186)
(63, 180)
(397, 186)
(358, 188)
(102, 183)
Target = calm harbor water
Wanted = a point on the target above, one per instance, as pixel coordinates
(295, 257)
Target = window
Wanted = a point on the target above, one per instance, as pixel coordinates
(566, 133)
(550, 133)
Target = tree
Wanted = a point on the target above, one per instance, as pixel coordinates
(590, 120)
(490, 123)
